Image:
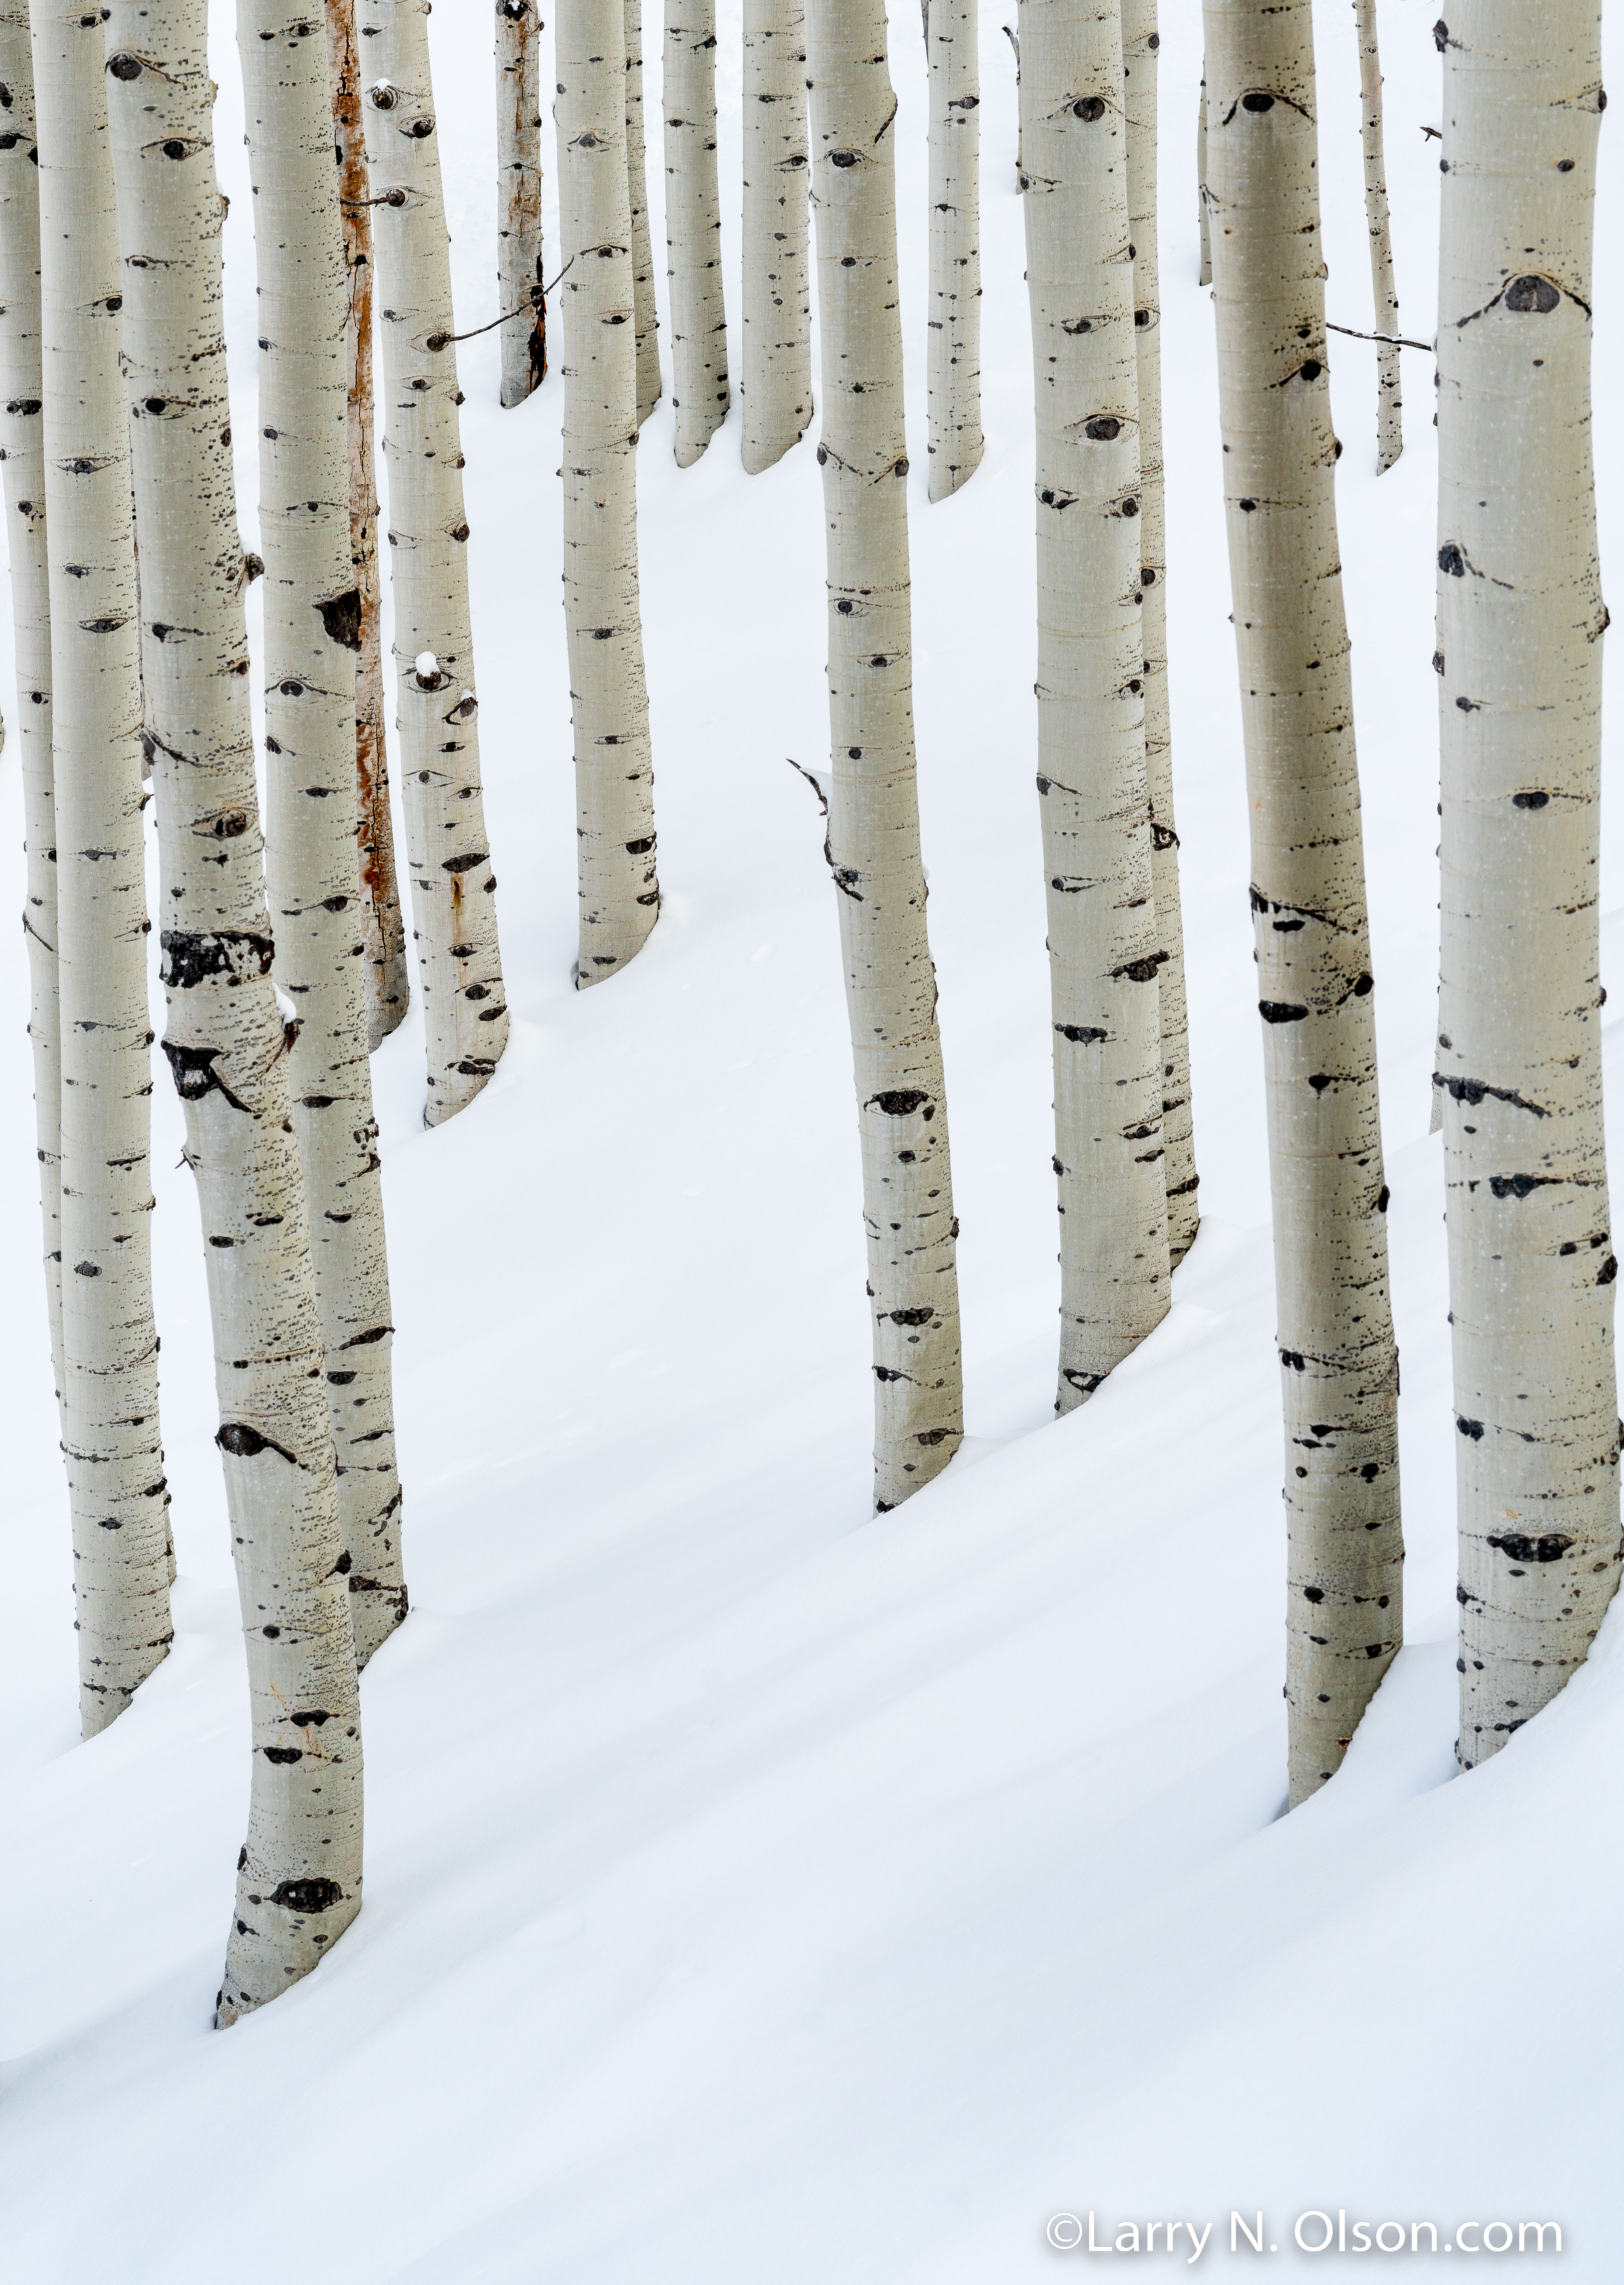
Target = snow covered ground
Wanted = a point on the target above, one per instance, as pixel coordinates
(756, 1891)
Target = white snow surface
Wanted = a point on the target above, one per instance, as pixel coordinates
(756, 1890)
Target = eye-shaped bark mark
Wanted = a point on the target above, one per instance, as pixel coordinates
(1550, 1547)
(309, 1896)
(341, 617)
(1476, 1090)
(1281, 1011)
(1080, 1035)
(245, 1443)
(194, 1075)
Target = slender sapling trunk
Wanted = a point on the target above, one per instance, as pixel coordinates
(518, 196)
(642, 244)
(953, 360)
(694, 228)
(1383, 286)
(776, 381)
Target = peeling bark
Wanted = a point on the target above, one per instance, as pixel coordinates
(874, 845)
(111, 1436)
(1339, 1368)
(1520, 616)
(311, 631)
(646, 324)
(775, 386)
(694, 229)
(952, 359)
(299, 1875)
(388, 986)
(1383, 286)
(453, 886)
(1106, 952)
(518, 160)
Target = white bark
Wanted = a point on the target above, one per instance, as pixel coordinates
(1339, 1369)
(518, 196)
(299, 1875)
(454, 903)
(389, 989)
(874, 846)
(1105, 948)
(1384, 287)
(642, 246)
(22, 449)
(1142, 46)
(110, 1427)
(1201, 180)
(1520, 616)
(694, 228)
(775, 383)
(953, 360)
(312, 634)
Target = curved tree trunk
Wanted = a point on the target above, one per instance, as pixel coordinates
(453, 901)
(645, 322)
(694, 228)
(1384, 287)
(1201, 180)
(299, 1875)
(1105, 950)
(1142, 44)
(312, 630)
(1520, 615)
(518, 194)
(775, 384)
(873, 845)
(1339, 1369)
(614, 771)
(953, 361)
(387, 987)
(22, 449)
(110, 1425)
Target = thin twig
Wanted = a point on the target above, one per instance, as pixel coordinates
(536, 300)
(1393, 340)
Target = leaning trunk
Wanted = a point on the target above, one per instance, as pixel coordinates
(453, 900)
(694, 228)
(873, 847)
(1339, 1369)
(1389, 413)
(1141, 45)
(1520, 616)
(388, 989)
(22, 448)
(776, 383)
(518, 197)
(614, 772)
(109, 1430)
(952, 354)
(299, 1875)
(312, 632)
(637, 191)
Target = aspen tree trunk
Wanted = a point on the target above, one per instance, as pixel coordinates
(873, 846)
(518, 196)
(1339, 1371)
(299, 1874)
(642, 244)
(1520, 616)
(110, 1427)
(1383, 286)
(1142, 44)
(312, 632)
(1201, 180)
(618, 887)
(776, 381)
(953, 362)
(694, 228)
(453, 903)
(22, 449)
(387, 987)
(1105, 948)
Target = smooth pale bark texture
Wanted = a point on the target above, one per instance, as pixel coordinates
(694, 228)
(1339, 1369)
(387, 987)
(518, 196)
(1105, 949)
(110, 1427)
(776, 381)
(1201, 181)
(618, 886)
(22, 449)
(641, 244)
(1383, 286)
(952, 354)
(312, 631)
(873, 844)
(453, 887)
(1141, 45)
(1520, 616)
(299, 1874)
